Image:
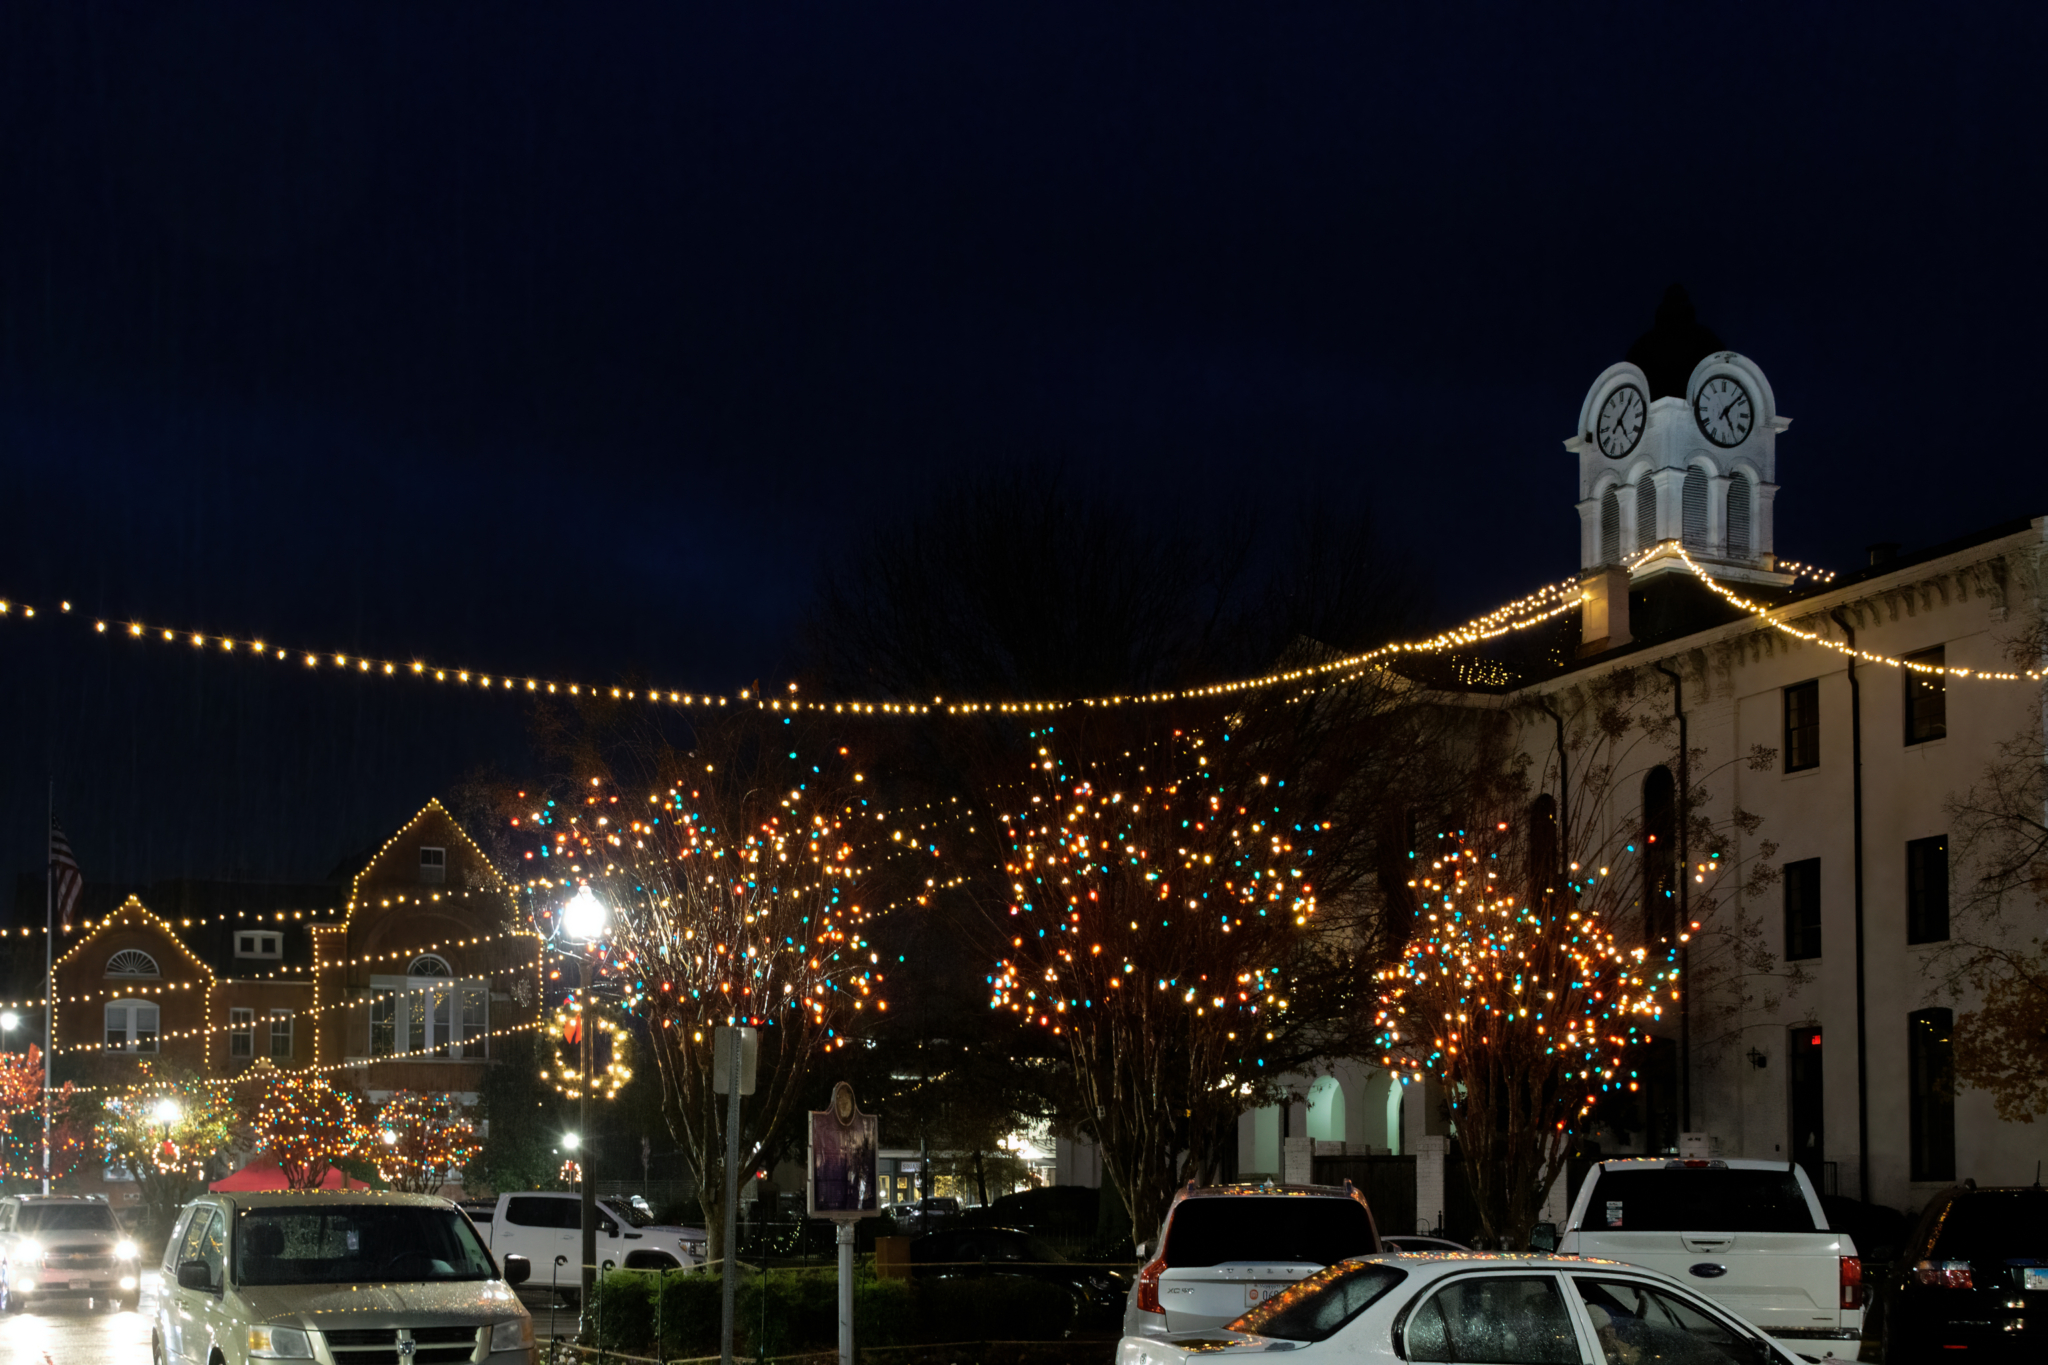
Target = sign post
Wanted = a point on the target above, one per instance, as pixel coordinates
(733, 1055)
(841, 1185)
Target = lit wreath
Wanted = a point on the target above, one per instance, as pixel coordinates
(565, 1032)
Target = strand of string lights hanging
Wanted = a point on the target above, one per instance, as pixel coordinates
(324, 1068)
(1769, 616)
(1518, 615)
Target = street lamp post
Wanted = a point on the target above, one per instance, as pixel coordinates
(583, 920)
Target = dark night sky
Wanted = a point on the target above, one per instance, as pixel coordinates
(573, 338)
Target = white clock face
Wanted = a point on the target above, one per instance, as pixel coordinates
(1620, 424)
(1723, 411)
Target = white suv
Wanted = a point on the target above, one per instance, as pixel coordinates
(1228, 1248)
(64, 1246)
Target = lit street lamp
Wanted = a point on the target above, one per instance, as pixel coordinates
(584, 921)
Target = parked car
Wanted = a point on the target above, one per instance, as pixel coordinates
(1227, 1248)
(56, 1246)
(925, 1215)
(1532, 1310)
(1974, 1278)
(1751, 1235)
(352, 1277)
(1409, 1245)
(544, 1224)
(1097, 1291)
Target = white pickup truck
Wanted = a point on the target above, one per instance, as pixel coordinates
(1750, 1235)
(542, 1225)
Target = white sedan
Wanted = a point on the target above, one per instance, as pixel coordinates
(1481, 1309)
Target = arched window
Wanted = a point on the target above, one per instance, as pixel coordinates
(131, 1025)
(1695, 508)
(1543, 840)
(1660, 854)
(1610, 527)
(1326, 1109)
(428, 1013)
(132, 962)
(1738, 517)
(1646, 513)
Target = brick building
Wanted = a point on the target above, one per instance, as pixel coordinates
(401, 978)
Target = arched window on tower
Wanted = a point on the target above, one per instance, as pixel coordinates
(1646, 513)
(1695, 508)
(1610, 527)
(1738, 517)
(1660, 854)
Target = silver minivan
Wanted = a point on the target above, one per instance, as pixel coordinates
(336, 1277)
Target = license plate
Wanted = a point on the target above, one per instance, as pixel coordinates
(81, 1284)
(2036, 1277)
(1256, 1294)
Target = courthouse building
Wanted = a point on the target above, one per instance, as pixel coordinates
(1840, 1058)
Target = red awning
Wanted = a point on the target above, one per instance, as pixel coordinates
(262, 1174)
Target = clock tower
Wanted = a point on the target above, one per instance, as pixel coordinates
(1677, 446)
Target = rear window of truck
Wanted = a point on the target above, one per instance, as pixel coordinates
(1306, 1229)
(1698, 1201)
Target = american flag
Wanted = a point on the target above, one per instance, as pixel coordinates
(66, 881)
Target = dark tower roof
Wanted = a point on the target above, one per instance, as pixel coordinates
(1675, 343)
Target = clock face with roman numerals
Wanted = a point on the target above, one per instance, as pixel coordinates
(1722, 409)
(1620, 423)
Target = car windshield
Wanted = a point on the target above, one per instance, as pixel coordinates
(356, 1243)
(1307, 1229)
(1995, 1225)
(632, 1216)
(1317, 1307)
(66, 1218)
(1713, 1200)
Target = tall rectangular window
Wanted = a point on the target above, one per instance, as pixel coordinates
(280, 1035)
(1926, 697)
(1802, 726)
(241, 1033)
(1927, 890)
(446, 1019)
(1809, 1103)
(1931, 1062)
(1802, 909)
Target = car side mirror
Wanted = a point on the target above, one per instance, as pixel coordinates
(195, 1275)
(518, 1270)
(1144, 1251)
(1543, 1237)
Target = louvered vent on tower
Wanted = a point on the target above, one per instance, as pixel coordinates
(1738, 517)
(1695, 508)
(1610, 528)
(1646, 514)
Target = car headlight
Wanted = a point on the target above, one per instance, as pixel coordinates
(29, 1249)
(124, 1250)
(511, 1336)
(279, 1343)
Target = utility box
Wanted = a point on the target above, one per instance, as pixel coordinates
(892, 1258)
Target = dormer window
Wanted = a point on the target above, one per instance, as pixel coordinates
(268, 943)
(433, 866)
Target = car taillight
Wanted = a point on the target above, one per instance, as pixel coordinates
(1148, 1287)
(1944, 1274)
(1852, 1282)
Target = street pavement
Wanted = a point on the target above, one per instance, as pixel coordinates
(71, 1332)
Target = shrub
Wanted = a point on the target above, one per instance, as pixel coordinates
(790, 1311)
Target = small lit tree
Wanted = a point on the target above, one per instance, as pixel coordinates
(169, 1132)
(418, 1138)
(308, 1128)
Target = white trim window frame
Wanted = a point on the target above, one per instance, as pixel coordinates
(133, 1025)
(263, 943)
(438, 1018)
(241, 1033)
(280, 1035)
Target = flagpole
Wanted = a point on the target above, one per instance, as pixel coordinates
(49, 974)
